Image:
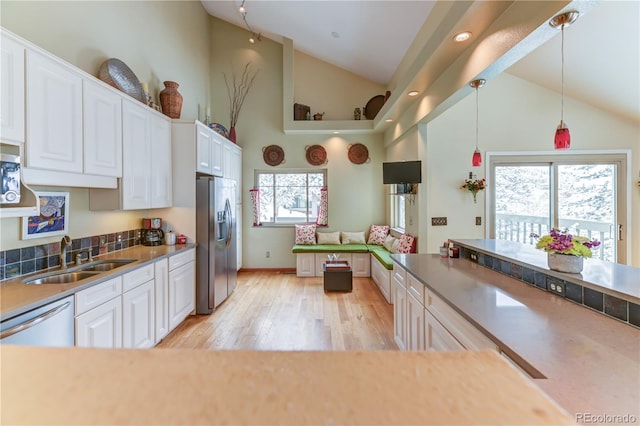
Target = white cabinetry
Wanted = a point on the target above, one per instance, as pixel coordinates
(138, 308)
(99, 315)
(399, 307)
(209, 150)
(161, 170)
(146, 172)
(102, 119)
(415, 314)
(162, 299)
(182, 284)
(305, 264)
(437, 337)
(54, 115)
(11, 90)
(138, 317)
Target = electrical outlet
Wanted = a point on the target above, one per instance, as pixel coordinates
(556, 286)
(438, 221)
(473, 256)
(267, 254)
(478, 220)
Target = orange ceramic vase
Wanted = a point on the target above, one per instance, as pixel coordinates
(171, 100)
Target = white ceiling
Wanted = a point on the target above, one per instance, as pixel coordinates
(370, 38)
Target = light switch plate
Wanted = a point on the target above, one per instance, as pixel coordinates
(478, 220)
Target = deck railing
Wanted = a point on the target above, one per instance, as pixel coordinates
(515, 227)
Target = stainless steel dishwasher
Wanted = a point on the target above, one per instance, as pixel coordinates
(49, 325)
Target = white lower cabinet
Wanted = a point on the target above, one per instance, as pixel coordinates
(415, 324)
(437, 337)
(101, 327)
(182, 285)
(138, 317)
(305, 264)
(162, 299)
(399, 307)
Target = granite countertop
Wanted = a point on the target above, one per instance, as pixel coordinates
(179, 386)
(618, 280)
(17, 297)
(591, 362)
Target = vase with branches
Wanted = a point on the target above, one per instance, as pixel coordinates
(237, 90)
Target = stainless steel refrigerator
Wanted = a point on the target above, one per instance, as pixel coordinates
(216, 276)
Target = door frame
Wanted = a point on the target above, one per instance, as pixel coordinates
(622, 157)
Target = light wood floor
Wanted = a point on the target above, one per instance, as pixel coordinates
(279, 311)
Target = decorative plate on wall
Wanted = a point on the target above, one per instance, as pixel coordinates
(316, 155)
(117, 74)
(358, 154)
(273, 155)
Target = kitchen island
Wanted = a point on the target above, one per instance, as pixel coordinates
(590, 362)
(175, 386)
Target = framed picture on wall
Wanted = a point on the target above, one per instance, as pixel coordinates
(53, 218)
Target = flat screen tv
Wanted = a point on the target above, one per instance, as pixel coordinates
(402, 172)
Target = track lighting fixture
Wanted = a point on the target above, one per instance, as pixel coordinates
(254, 35)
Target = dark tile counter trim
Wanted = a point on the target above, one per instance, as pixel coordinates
(611, 306)
(26, 260)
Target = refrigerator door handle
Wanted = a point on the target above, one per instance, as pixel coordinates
(227, 207)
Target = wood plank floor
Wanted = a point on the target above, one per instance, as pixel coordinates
(279, 311)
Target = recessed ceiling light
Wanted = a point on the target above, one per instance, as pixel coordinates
(462, 36)
(336, 132)
(413, 93)
(389, 120)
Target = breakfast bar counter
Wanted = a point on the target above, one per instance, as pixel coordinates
(176, 386)
(591, 362)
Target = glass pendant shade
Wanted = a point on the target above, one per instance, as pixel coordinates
(476, 160)
(563, 137)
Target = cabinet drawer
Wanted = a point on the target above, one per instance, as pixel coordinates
(98, 294)
(467, 334)
(399, 275)
(180, 259)
(135, 278)
(415, 288)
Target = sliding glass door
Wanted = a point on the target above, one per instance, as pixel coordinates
(580, 193)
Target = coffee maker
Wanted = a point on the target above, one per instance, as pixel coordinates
(152, 234)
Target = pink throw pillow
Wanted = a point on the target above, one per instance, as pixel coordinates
(406, 244)
(306, 234)
(377, 234)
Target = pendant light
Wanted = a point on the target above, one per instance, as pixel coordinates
(562, 139)
(476, 160)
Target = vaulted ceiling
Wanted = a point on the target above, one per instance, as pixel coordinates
(374, 39)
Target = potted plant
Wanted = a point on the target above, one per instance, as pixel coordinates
(565, 252)
(474, 186)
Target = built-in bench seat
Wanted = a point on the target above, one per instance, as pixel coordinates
(365, 260)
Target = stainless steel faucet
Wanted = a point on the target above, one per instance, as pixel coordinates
(79, 256)
(66, 242)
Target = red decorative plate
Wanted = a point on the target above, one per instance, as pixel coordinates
(316, 155)
(358, 153)
(273, 155)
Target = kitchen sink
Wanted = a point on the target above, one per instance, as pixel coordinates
(105, 265)
(79, 272)
(62, 278)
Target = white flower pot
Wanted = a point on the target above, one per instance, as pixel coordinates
(565, 263)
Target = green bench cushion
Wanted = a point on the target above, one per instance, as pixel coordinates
(382, 255)
(330, 248)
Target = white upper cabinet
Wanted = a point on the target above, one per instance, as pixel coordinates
(217, 156)
(102, 118)
(204, 148)
(161, 171)
(11, 90)
(136, 145)
(54, 115)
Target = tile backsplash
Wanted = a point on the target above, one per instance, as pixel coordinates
(26, 260)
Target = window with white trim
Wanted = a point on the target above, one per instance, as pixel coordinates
(397, 209)
(289, 197)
